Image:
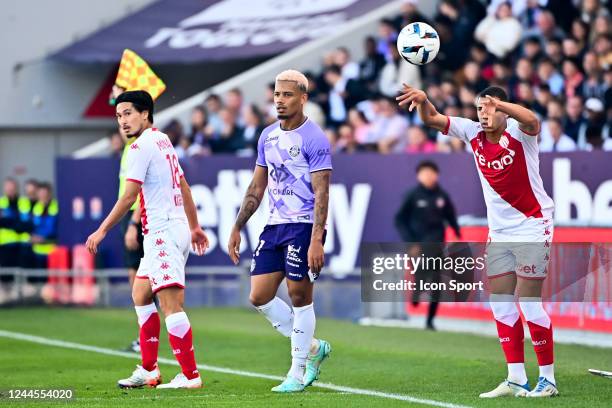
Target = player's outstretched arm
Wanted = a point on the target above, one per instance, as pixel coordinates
(528, 121)
(320, 186)
(412, 98)
(199, 240)
(250, 204)
(124, 203)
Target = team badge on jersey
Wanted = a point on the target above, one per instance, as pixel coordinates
(294, 151)
(440, 202)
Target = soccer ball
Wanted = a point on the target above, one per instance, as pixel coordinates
(418, 43)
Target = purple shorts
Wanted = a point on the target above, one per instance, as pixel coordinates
(283, 248)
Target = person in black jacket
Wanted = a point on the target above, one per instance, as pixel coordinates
(421, 220)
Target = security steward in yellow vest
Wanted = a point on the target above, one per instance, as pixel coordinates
(15, 224)
(44, 234)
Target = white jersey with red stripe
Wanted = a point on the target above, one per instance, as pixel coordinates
(509, 172)
(153, 163)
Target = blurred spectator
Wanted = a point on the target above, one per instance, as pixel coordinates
(116, 144)
(200, 134)
(573, 77)
(549, 75)
(233, 102)
(417, 141)
(471, 74)
(213, 107)
(349, 69)
(230, 138)
(344, 94)
(593, 85)
(253, 125)
(543, 96)
(532, 49)
(580, 32)
(546, 28)
(589, 10)
(372, 64)
(346, 140)
(603, 47)
(359, 124)
(387, 34)
(409, 13)
(313, 108)
(524, 73)
(554, 51)
(558, 141)
(388, 126)
(44, 234)
(175, 133)
(397, 72)
(337, 107)
(574, 123)
(571, 49)
(501, 32)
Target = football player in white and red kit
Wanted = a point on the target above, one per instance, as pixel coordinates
(169, 225)
(519, 212)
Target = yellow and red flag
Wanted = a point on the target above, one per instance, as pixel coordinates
(135, 74)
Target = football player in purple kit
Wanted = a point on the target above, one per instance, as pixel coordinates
(294, 164)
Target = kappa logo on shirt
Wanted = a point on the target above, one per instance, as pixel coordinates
(159, 242)
(167, 277)
(165, 265)
(134, 146)
(162, 254)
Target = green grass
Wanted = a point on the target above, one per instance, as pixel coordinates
(445, 367)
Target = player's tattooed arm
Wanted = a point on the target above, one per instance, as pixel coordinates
(320, 186)
(253, 196)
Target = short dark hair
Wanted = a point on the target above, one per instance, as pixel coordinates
(141, 100)
(32, 181)
(45, 186)
(496, 92)
(427, 164)
(333, 69)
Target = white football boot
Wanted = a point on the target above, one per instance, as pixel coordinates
(141, 377)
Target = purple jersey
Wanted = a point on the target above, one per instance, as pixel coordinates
(290, 157)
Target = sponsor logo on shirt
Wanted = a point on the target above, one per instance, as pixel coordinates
(281, 191)
(270, 139)
(323, 152)
(498, 164)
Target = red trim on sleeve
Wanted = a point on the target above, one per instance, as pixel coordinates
(142, 277)
(181, 176)
(447, 128)
(134, 180)
(167, 286)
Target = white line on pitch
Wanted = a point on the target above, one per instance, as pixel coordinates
(205, 367)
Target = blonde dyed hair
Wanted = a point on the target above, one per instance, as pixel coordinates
(294, 76)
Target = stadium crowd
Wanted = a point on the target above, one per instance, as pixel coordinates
(555, 59)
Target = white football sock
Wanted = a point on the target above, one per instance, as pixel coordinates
(534, 312)
(279, 314)
(516, 373)
(548, 372)
(301, 339)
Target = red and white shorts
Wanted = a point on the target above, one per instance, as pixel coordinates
(523, 250)
(165, 255)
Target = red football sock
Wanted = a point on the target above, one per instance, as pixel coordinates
(512, 339)
(542, 339)
(148, 320)
(181, 341)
